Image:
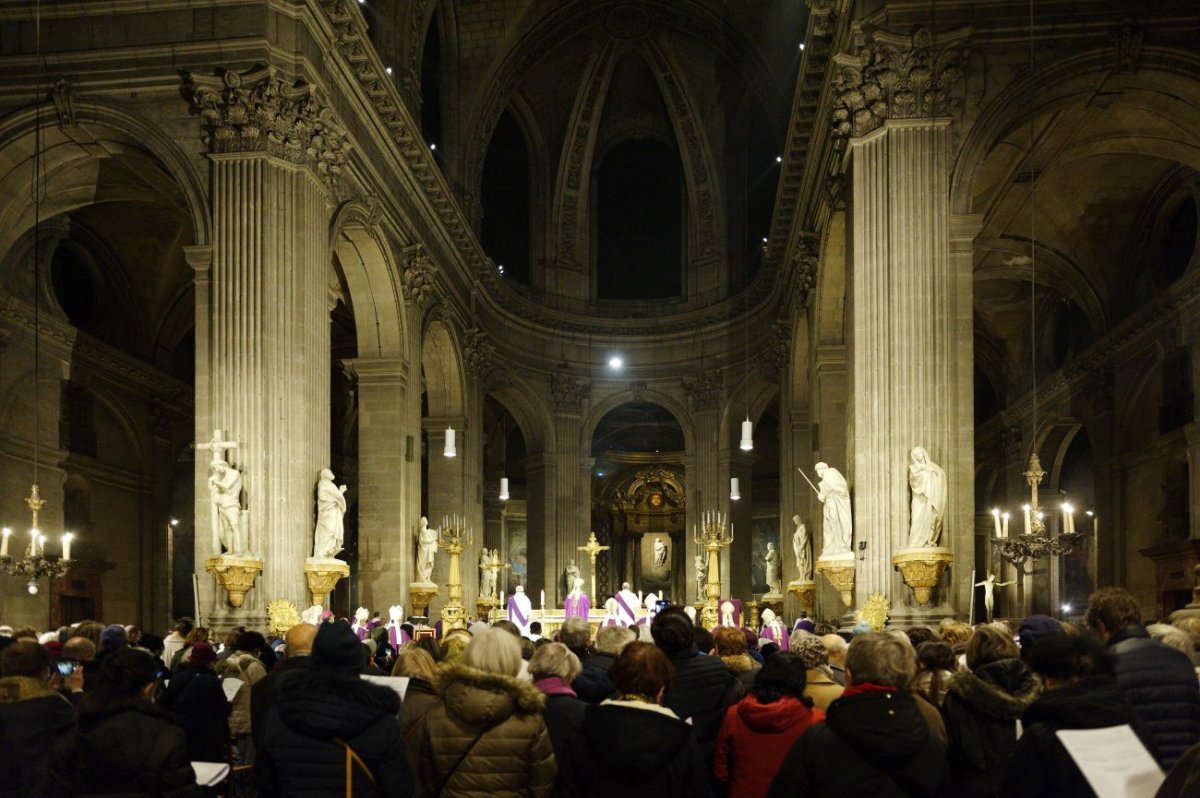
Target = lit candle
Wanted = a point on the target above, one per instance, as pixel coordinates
(33, 536)
(996, 518)
(41, 544)
(66, 541)
(1028, 526)
(1004, 533)
(1068, 518)
(4, 543)
(543, 598)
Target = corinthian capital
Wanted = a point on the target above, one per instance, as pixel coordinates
(898, 77)
(259, 112)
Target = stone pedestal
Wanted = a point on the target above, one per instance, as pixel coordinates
(839, 570)
(922, 569)
(805, 593)
(235, 574)
(419, 596)
(322, 573)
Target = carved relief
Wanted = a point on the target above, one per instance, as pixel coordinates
(776, 350)
(64, 103)
(706, 391)
(479, 354)
(896, 77)
(568, 393)
(638, 389)
(417, 282)
(1127, 47)
(259, 112)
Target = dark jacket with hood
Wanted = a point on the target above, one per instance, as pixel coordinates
(264, 693)
(592, 684)
(754, 739)
(874, 742)
(32, 719)
(1040, 766)
(633, 750)
(1160, 684)
(512, 757)
(127, 748)
(703, 688)
(197, 703)
(981, 710)
(300, 753)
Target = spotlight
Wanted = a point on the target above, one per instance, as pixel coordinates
(432, 145)
(1066, 608)
(387, 70)
(734, 493)
(174, 522)
(503, 489)
(801, 43)
(32, 587)
(778, 159)
(615, 362)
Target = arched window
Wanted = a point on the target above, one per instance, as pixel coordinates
(639, 222)
(505, 197)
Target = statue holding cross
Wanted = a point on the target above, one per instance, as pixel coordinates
(593, 548)
(225, 492)
(492, 566)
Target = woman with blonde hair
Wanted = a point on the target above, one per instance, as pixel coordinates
(420, 669)
(486, 734)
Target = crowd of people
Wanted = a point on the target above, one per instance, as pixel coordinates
(677, 711)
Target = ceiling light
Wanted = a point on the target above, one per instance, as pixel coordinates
(734, 493)
(387, 70)
(503, 489)
(449, 450)
(615, 362)
(747, 435)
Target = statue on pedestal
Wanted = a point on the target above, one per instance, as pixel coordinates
(570, 574)
(577, 604)
(774, 571)
(225, 491)
(660, 553)
(701, 575)
(927, 481)
(800, 541)
(487, 577)
(331, 508)
(834, 493)
(427, 546)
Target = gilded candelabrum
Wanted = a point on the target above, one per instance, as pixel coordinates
(714, 534)
(454, 537)
(1034, 542)
(35, 564)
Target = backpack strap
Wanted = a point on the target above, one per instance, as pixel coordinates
(352, 759)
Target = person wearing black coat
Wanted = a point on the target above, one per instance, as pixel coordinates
(124, 745)
(327, 716)
(981, 708)
(1081, 692)
(874, 741)
(195, 699)
(264, 693)
(1158, 681)
(32, 717)
(592, 684)
(553, 668)
(632, 746)
(703, 688)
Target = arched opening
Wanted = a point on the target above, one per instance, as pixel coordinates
(762, 496)
(639, 222)
(638, 500)
(505, 196)
(1077, 486)
(505, 519)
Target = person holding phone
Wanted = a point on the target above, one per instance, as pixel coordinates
(32, 715)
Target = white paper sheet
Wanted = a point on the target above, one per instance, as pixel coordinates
(1114, 761)
(231, 685)
(397, 683)
(210, 774)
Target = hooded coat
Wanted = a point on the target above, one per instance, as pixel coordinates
(592, 684)
(754, 739)
(743, 668)
(703, 688)
(629, 749)
(32, 718)
(492, 726)
(982, 709)
(127, 748)
(300, 755)
(874, 742)
(196, 701)
(1040, 766)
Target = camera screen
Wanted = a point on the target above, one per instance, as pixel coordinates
(66, 667)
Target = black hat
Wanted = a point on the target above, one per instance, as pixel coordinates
(337, 648)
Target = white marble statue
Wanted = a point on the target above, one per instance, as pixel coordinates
(570, 574)
(701, 575)
(660, 553)
(774, 570)
(225, 491)
(834, 493)
(487, 577)
(427, 546)
(928, 483)
(312, 615)
(800, 543)
(331, 508)
(989, 585)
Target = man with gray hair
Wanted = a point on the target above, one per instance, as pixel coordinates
(836, 645)
(593, 684)
(874, 740)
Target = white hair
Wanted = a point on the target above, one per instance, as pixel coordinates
(494, 651)
(612, 639)
(555, 659)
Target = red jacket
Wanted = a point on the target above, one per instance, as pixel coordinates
(754, 739)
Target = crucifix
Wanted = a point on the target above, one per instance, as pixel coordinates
(217, 446)
(496, 566)
(593, 548)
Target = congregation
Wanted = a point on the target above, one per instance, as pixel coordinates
(665, 710)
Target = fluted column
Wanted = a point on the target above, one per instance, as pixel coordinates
(572, 497)
(907, 303)
(276, 152)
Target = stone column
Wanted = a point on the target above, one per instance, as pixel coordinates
(266, 354)
(385, 538)
(908, 366)
(572, 487)
(541, 476)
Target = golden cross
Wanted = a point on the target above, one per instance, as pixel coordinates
(592, 548)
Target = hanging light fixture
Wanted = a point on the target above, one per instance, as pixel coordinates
(747, 426)
(449, 450)
(503, 489)
(734, 493)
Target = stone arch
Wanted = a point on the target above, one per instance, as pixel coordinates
(442, 368)
(532, 416)
(664, 400)
(358, 246)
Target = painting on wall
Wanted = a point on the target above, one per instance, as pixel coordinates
(765, 530)
(518, 553)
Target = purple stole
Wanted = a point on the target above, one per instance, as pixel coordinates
(514, 615)
(361, 631)
(397, 636)
(776, 633)
(629, 613)
(577, 608)
(611, 622)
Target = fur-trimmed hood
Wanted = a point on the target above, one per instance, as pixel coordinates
(1003, 689)
(477, 696)
(23, 688)
(738, 663)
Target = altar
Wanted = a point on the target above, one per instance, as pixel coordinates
(552, 619)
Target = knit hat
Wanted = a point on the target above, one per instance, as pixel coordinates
(751, 638)
(1035, 627)
(811, 650)
(337, 647)
(54, 649)
(202, 653)
(113, 637)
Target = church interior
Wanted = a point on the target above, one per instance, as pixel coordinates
(666, 292)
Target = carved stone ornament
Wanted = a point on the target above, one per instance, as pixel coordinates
(259, 112)
(479, 354)
(638, 389)
(706, 391)
(804, 265)
(822, 16)
(417, 280)
(898, 77)
(1127, 48)
(568, 393)
(776, 350)
(64, 103)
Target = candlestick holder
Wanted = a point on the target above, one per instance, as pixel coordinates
(1034, 543)
(714, 534)
(454, 537)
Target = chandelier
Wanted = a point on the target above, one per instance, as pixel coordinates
(35, 564)
(1034, 542)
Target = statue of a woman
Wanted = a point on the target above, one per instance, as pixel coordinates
(928, 483)
(427, 546)
(331, 508)
(774, 571)
(800, 543)
(834, 493)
